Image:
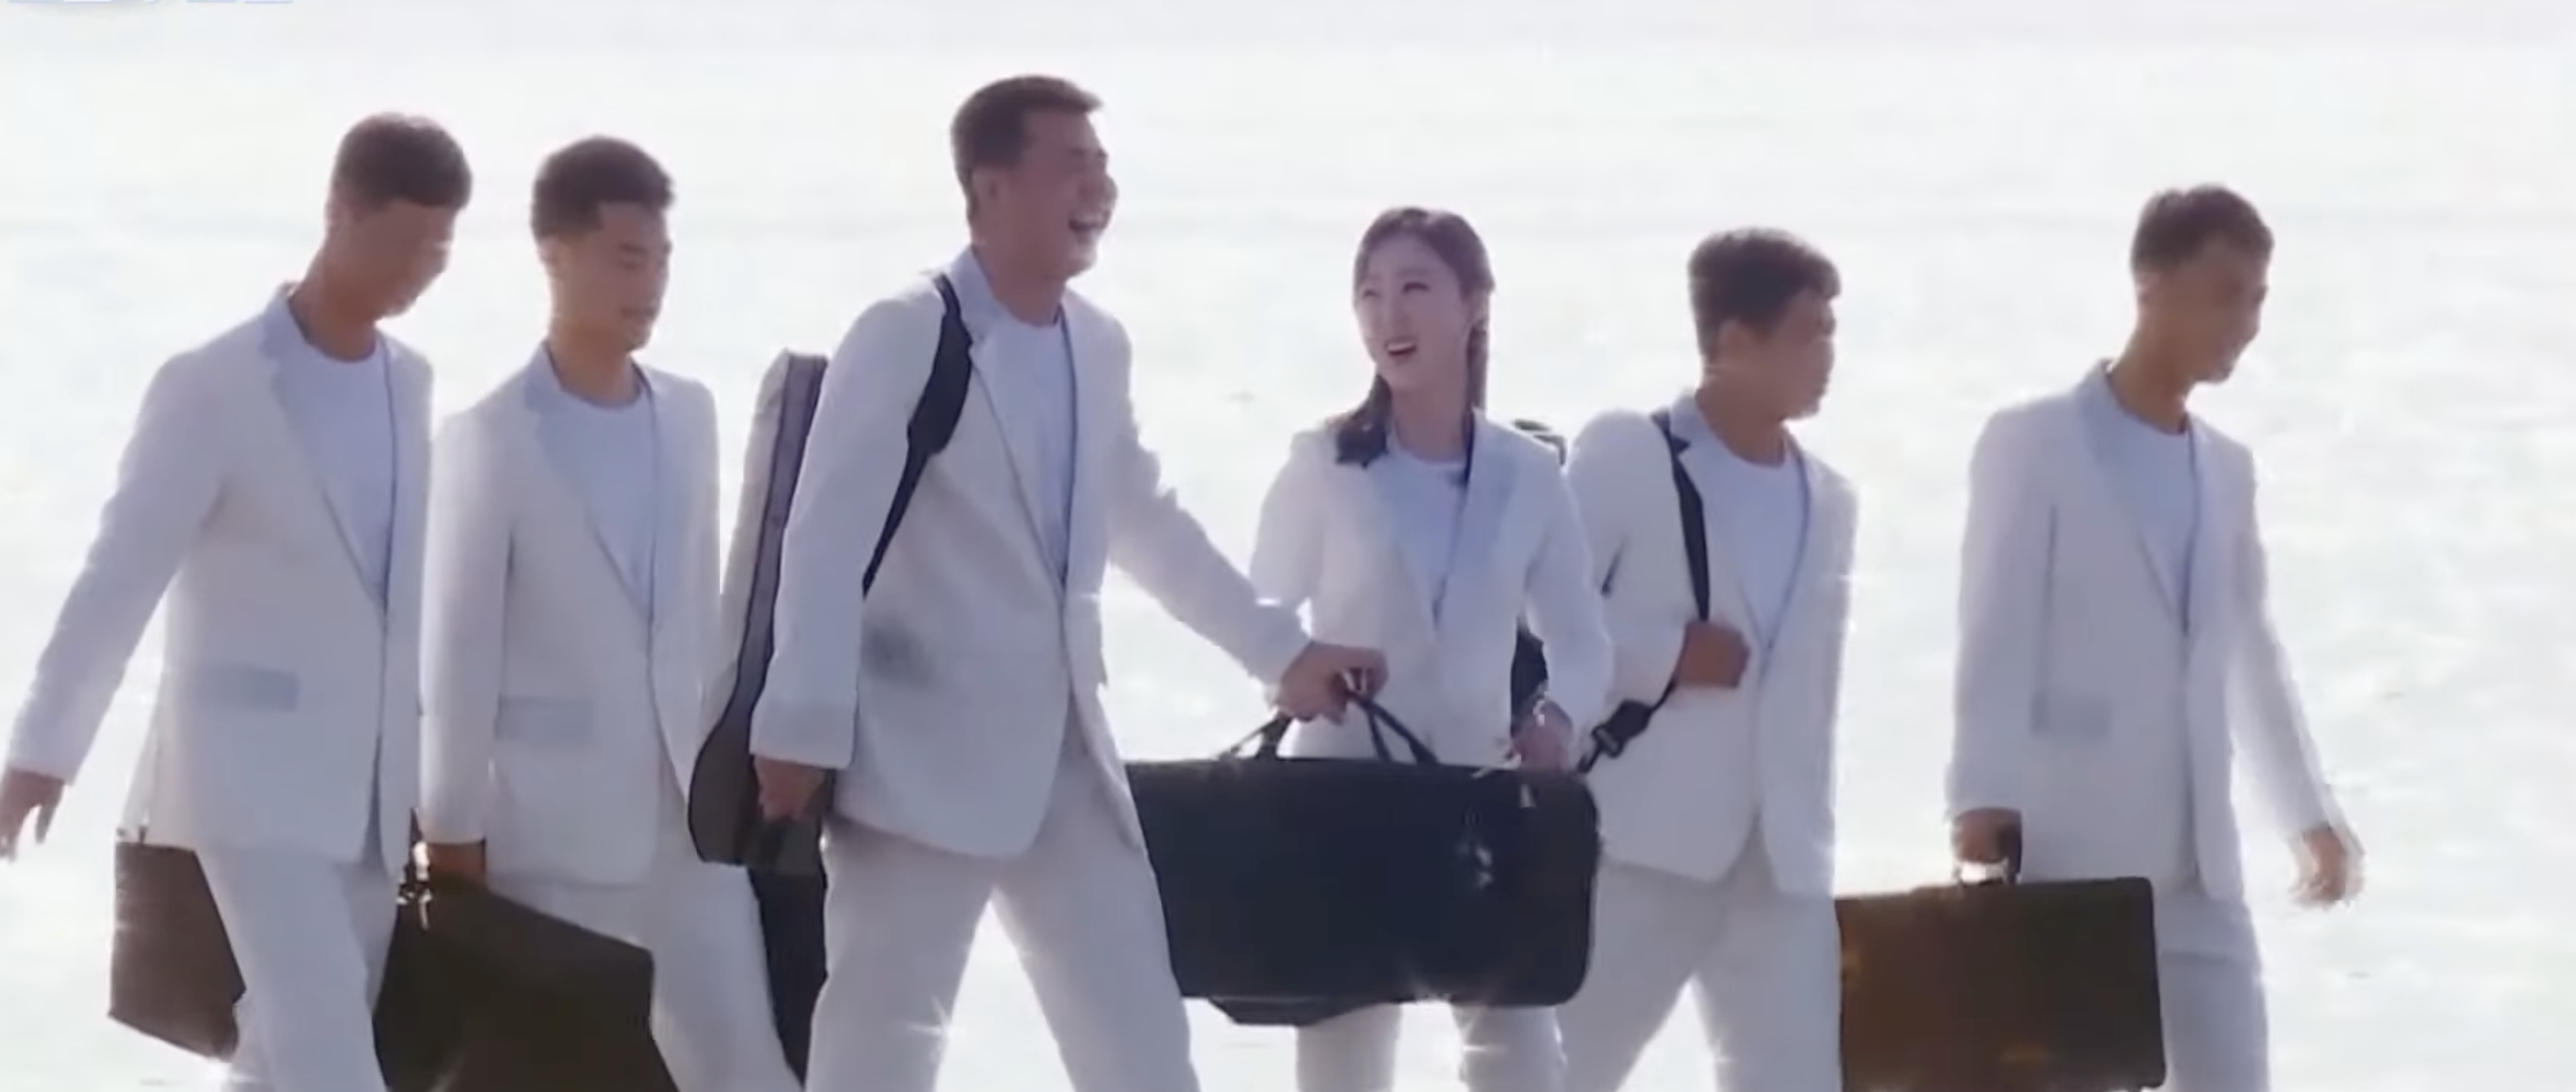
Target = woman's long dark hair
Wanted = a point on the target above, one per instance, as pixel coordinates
(1360, 433)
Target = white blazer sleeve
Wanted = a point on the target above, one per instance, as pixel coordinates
(1287, 548)
(1165, 549)
(2269, 722)
(2003, 599)
(1566, 612)
(1619, 496)
(466, 574)
(808, 712)
(166, 486)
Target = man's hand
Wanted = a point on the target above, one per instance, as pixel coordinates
(1325, 677)
(1545, 740)
(1712, 656)
(787, 790)
(458, 861)
(25, 794)
(1977, 837)
(2329, 866)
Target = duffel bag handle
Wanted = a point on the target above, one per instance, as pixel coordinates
(1266, 740)
(1270, 735)
(1382, 722)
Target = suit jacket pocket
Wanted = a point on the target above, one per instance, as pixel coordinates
(2073, 718)
(241, 686)
(543, 722)
(894, 653)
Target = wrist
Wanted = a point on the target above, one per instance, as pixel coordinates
(1543, 713)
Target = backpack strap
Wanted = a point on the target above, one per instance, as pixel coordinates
(1611, 738)
(934, 416)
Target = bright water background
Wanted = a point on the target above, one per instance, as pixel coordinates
(1974, 165)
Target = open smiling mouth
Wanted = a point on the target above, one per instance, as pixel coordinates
(1400, 348)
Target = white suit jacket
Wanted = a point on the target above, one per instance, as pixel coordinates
(560, 721)
(1714, 766)
(946, 692)
(281, 676)
(1328, 542)
(2083, 702)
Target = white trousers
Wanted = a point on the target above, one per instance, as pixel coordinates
(1080, 905)
(711, 1014)
(1767, 967)
(1506, 1050)
(2217, 1035)
(310, 937)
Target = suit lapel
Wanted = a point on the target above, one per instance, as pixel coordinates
(2213, 527)
(411, 382)
(1004, 400)
(1821, 510)
(1728, 597)
(1480, 518)
(677, 453)
(295, 455)
(548, 474)
(1094, 426)
(1408, 602)
(2124, 500)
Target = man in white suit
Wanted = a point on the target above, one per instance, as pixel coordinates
(2116, 645)
(961, 701)
(570, 612)
(1717, 820)
(274, 489)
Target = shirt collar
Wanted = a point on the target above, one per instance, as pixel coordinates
(546, 390)
(2104, 403)
(975, 300)
(1689, 425)
(282, 336)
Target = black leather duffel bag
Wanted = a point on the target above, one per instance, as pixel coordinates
(1298, 888)
(484, 994)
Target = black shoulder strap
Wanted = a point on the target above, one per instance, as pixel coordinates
(934, 417)
(934, 421)
(1629, 721)
(1694, 521)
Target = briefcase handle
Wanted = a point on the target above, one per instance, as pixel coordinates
(1266, 739)
(2006, 871)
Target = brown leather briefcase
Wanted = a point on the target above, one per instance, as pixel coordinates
(170, 970)
(2007, 986)
(480, 994)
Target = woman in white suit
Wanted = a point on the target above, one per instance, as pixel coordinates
(1414, 525)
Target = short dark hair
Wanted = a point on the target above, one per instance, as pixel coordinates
(2176, 224)
(387, 158)
(1751, 275)
(583, 177)
(991, 128)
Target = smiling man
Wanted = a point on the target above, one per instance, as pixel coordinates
(2116, 649)
(961, 703)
